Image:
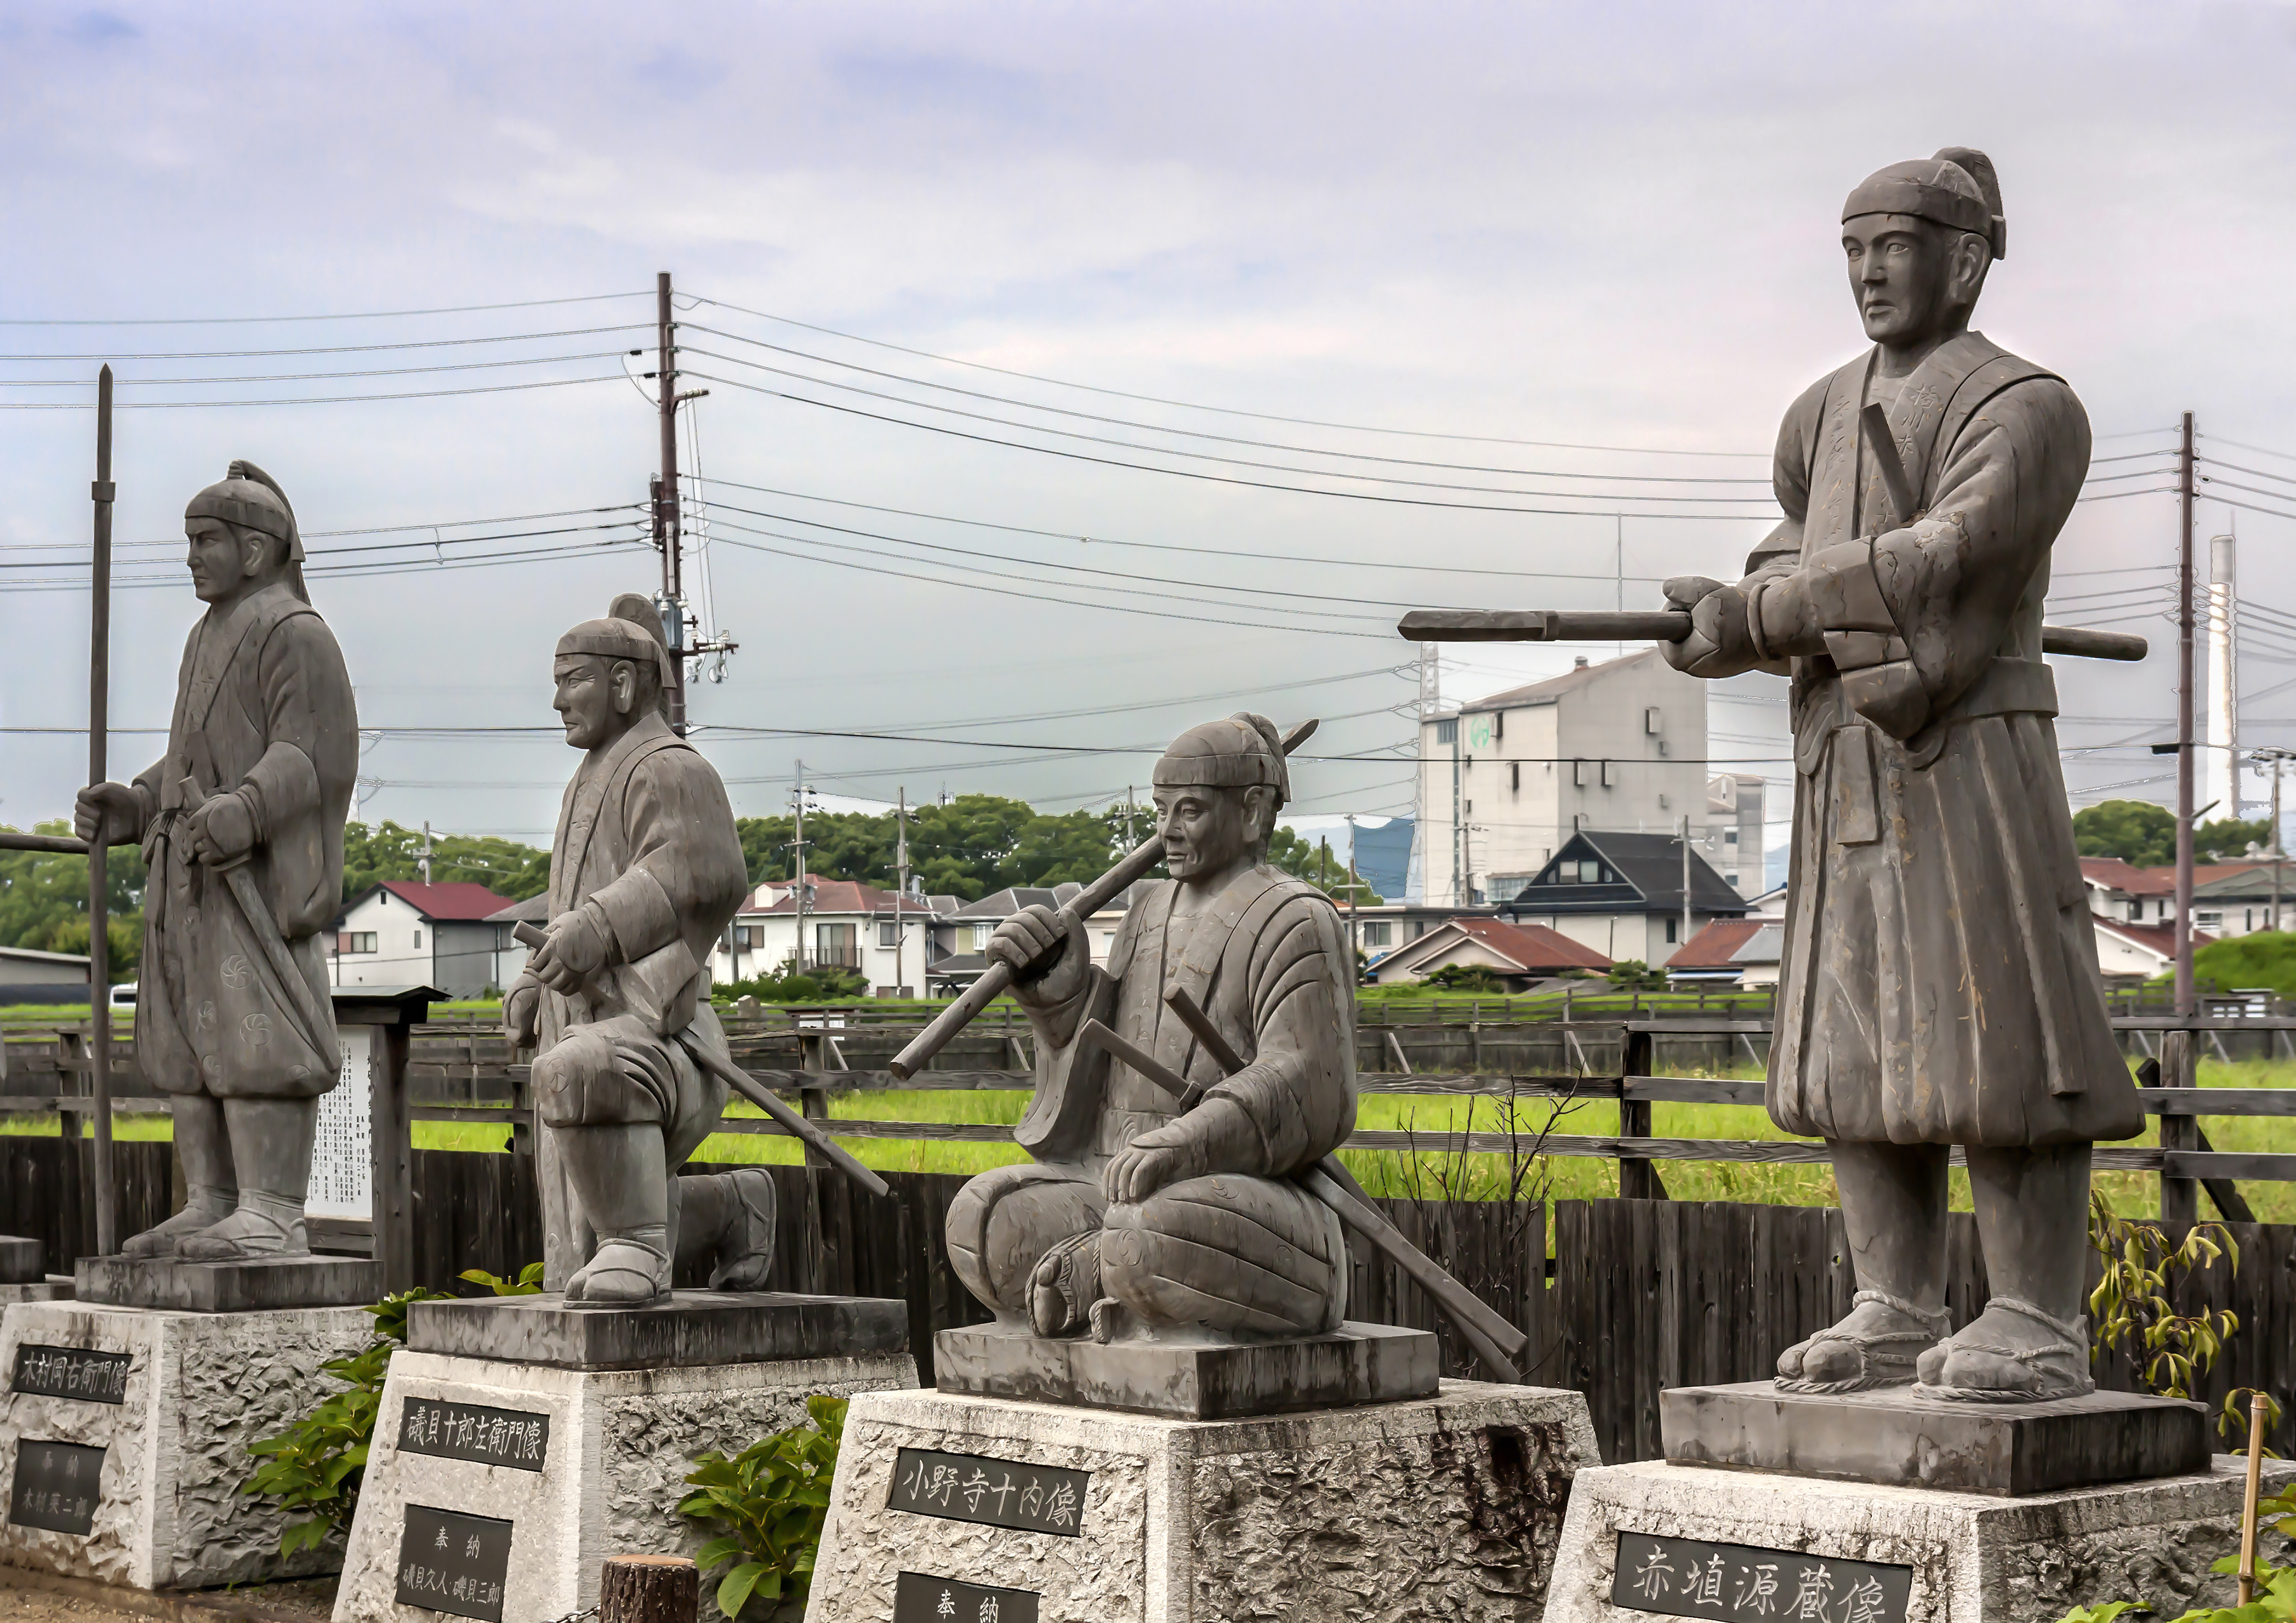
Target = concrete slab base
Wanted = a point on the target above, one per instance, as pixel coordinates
(1635, 1532)
(54, 1288)
(1894, 1436)
(1189, 1379)
(158, 1410)
(270, 1284)
(568, 1465)
(692, 1327)
(1447, 1506)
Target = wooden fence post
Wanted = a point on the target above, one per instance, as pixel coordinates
(1638, 1178)
(648, 1589)
(2180, 1197)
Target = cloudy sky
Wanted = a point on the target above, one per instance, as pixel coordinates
(1440, 228)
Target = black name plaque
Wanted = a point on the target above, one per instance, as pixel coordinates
(58, 1487)
(997, 1493)
(919, 1597)
(1684, 1578)
(451, 1561)
(472, 1431)
(71, 1372)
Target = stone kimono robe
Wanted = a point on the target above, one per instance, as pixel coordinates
(263, 709)
(1242, 1248)
(647, 837)
(1938, 982)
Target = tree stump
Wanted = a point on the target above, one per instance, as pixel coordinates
(648, 1589)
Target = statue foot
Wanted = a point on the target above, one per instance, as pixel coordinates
(209, 1205)
(2014, 1353)
(1877, 1346)
(1064, 1286)
(1111, 1318)
(745, 1256)
(630, 1270)
(263, 1225)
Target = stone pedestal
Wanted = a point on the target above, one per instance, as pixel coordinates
(495, 1488)
(53, 1288)
(1189, 1379)
(1688, 1541)
(1896, 1437)
(230, 1287)
(124, 1436)
(1447, 1506)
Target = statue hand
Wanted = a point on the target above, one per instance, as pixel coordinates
(574, 950)
(522, 1012)
(1026, 941)
(1169, 1154)
(1719, 643)
(222, 829)
(115, 809)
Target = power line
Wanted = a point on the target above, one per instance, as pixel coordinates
(168, 406)
(415, 343)
(305, 377)
(225, 321)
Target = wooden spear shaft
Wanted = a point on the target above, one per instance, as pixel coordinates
(99, 728)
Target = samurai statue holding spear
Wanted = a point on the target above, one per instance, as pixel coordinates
(1939, 984)
(241, 827)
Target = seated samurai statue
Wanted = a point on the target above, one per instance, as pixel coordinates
(1136, 1219)
(645, 873)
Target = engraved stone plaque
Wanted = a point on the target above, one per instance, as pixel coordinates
(342, 1151)
(918, 1597)
(451, 1561)
(997, 1493)
(1684, 1577)
(58, 1487)
(516, 1437)
(79, 1373)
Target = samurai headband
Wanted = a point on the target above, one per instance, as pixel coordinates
(1938, 189)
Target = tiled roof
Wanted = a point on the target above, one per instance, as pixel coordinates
(1718, 946)
(1533, 948)
(833, 896)
(2160, 938)
(454, 901)
(2114, 874)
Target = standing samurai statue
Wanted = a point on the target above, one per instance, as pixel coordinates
(1939, 984)
(645, 873)
(241, 826)
(1134, 1220)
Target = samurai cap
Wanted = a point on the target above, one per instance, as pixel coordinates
(1235, 753)
(251, 498)
(631, 630)
(1957, 189)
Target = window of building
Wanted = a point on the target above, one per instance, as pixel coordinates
(1514, 777)
(981, 934)
(1729, 836)
(1579, 774)
(1498, 726)
(1590, 872)
(888, 933)
(1609, 775)
(1650, 726)
(1471, 807)
(349, 941)
(2250, 916)
(1447, 732)
(418, 938)
(2213, 920)
(832, 935)
(2137, 913)
(1379, 932)
(749, 937)
(1671, 925)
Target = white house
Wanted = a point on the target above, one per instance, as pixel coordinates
(402, 933)
(1505, 781)
(845, 925)
(1623, 895)
(1518, 956)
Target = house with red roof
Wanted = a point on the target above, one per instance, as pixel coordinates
(837, 923)
(405, 932)
(1521, 955)
(1742, 952)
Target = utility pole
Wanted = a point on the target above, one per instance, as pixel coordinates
(2183, 937)
(1686, 882)
(2277, 759)
(1458, 818)
(1355, 901)
(798, 800)
(667, 532)
(99, 734)
(901, 892)
(422, 857)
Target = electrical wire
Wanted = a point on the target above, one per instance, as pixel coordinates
(223, 321)
(417, 343)
(169, 406)
(305, 377)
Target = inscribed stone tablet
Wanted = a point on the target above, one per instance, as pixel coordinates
(516, 1437)
(919, 1597)
(58, 1487)
(1684, 1577)
(997, 1493)
(79, 1373)
(450, 1561)
(342, 1149)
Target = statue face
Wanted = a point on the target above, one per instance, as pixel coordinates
(1912, 280)
(593, 698)
(1207, 830)
(221, 560)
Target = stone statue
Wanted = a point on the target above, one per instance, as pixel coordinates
(645, 873)
(1939, 984)
(1133, 1219)
(241, 826)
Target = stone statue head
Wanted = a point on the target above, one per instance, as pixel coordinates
(242, 536)
(1218, 788)
(1920, 237)
(611, 673)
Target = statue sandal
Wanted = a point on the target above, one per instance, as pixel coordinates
(630, 1270)
(209, 1205)
(1064, 1285)
(1886, 1359)
(2034, 1374)
(263, 1226)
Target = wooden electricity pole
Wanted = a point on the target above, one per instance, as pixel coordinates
(2183, 937)
(99, 927)
(666, 530)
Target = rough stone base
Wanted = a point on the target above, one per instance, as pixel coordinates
(1975, 1557)
(54, 1288)
(620, 1445)
(1189, 1379)
(1894, 1436)
(199, 1389)
(692, 1327)
(230, 1287)
(1446, 1507)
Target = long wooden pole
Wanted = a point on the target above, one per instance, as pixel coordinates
(2183, 936)
(99, 729)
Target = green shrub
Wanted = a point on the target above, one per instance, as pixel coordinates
(529, 1281)
(768, 1503)
(789, 983)
(317, 1464)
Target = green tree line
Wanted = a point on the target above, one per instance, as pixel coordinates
(2145, 835)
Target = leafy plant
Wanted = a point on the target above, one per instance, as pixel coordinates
(316, 1465)
(2274, 1601)
(1466, 978)
(529, 1281)
(1635, 975)
(828, 983)
(770, 1501)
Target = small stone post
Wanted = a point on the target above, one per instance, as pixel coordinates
(649, 1589)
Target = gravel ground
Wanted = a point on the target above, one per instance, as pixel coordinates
(310, 1601)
